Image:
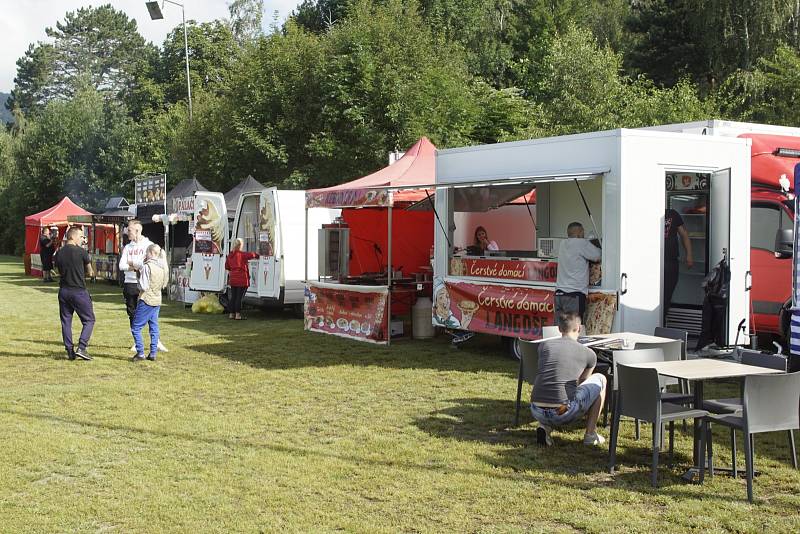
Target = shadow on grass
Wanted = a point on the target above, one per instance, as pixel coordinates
(489, 421)
(635, 483)
(273, 339)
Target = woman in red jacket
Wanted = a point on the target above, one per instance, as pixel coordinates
(238, 277)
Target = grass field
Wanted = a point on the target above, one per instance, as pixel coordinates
(257, 426)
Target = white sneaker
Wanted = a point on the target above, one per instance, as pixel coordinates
(133, 347)
(593, 439)
(543, 436)
(161, 347)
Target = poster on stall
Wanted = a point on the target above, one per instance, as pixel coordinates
(355, 312)
(527, 270)
(179, 286)
(600, 311)
(202, 242)
(503, 310)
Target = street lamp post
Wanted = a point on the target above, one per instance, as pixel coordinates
(155, 14)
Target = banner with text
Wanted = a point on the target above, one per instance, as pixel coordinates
(356, 312)
(527, 270)
(510, 311)
(348, 198)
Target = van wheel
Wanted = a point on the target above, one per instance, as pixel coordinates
(511, 347)
(297, 311)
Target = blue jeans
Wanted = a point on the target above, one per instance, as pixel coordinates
(585, 396)
(145, 315)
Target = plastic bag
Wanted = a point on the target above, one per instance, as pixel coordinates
(207, 304)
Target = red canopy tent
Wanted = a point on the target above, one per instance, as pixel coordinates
(398, 185)
(382, 239)
(53, 216)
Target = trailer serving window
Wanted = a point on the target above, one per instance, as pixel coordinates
(512, 230)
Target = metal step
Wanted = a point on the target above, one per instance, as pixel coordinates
(687, 319)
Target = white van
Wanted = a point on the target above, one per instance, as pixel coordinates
(273, 223)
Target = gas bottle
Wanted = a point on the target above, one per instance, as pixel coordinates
(421, 319)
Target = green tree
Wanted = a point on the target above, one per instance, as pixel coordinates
(319, 16)
(709, 39)
(583, 90)
(245, 19)
(212, 53)
(97, 47)
(83, 147)
(769, 93)
(33, 83)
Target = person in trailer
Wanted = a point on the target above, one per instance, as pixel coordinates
(482, 240)
(674, 228)
(566, 387)
(575, 254)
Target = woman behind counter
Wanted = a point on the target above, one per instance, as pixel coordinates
(482, 240)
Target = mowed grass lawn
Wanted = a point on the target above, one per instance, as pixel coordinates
(257, 426)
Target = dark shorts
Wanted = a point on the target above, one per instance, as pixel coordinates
(570, 302)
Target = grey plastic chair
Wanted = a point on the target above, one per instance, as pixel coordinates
(550, 331)
(639, 396)
(627, 357)
(762, 394)
(528, 367)
(683, 337)
(747, 357)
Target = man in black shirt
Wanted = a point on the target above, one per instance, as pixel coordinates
(74, 264)
(673, 227)
(46, 249)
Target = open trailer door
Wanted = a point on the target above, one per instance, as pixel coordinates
(729, 239)
(210, 242)
(268, 277)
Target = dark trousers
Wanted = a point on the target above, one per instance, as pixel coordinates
(75, 300)
(130, 292)
(570, 302)
(235, 304)
(670, 282)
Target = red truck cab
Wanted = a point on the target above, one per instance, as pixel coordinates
(771, 210)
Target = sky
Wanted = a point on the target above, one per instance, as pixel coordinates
(23, 22)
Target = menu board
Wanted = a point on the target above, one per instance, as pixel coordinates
(151, 189)
(355, 312)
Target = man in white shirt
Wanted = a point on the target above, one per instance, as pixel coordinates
(572, 282)
(131, 260)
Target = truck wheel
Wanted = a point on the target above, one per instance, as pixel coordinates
(511, 347)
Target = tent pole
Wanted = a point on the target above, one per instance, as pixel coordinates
(306, 246)
(389, 279)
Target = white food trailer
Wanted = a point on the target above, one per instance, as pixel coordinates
(614, 183)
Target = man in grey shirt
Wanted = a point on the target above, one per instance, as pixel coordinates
(565, 387)
(572, 281)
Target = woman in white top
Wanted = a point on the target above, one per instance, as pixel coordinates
(482, 240)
